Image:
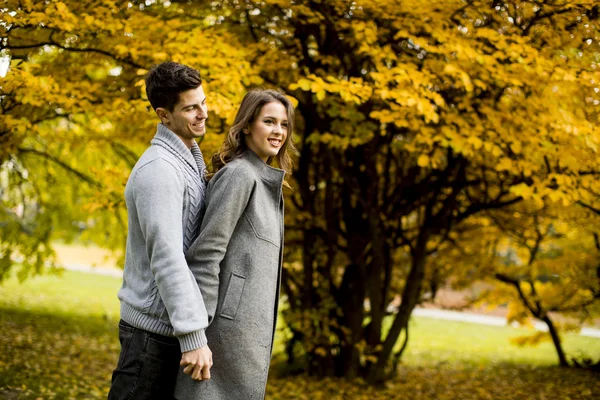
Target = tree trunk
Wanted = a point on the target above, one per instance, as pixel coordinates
(410, 297)
(562, 359)
(350, 300)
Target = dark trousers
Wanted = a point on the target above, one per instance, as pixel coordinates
(147, 367)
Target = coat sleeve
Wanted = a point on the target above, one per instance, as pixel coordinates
(228, 195)
(158, 196)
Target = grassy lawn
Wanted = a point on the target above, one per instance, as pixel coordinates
(59, 341)
(432, 341)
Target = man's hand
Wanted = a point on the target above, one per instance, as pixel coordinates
(197, 363)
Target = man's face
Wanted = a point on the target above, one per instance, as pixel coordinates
(188, 118)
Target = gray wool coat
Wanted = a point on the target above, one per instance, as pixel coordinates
(237, 261)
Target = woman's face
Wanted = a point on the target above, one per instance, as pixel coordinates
(267, 134)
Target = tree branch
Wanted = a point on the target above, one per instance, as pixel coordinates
(516, 284)
(589, 207)
(54, 43)
(62, 164)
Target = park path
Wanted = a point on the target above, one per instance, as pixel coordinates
(436, 313)
(118, 273)
(486, 319)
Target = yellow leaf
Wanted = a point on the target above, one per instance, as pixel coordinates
(505, 164)
(293, 100)
(423, 160)
(160, 56)
(516, 147)
(476, 142)
(523, 190)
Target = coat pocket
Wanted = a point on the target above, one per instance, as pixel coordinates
(266, 228)
(233, 296)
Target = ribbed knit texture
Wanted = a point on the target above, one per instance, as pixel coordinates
(195, 171)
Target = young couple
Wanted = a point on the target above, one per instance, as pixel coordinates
(204, 250)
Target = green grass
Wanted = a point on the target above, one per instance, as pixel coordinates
(433, 340)
(59, 337)
(59, 340)
(71, 293)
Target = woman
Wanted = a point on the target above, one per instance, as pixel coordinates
(238, 255)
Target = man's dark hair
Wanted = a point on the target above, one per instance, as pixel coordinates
(165, 81)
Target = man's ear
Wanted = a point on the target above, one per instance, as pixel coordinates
(163, 115)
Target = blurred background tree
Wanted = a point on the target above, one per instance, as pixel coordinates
(417, 120)
(75, 117)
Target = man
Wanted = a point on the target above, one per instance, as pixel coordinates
(163, 317)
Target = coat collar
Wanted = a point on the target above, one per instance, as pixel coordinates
(167, 139)
(271, 175)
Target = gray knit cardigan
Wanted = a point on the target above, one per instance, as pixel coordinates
(165, 197)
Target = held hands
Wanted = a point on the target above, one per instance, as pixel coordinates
(197, 363)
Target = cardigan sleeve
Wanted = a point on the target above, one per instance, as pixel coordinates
(229, 192)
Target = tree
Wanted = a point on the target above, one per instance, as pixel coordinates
(412, 118)
(74, 115)
(541, 262)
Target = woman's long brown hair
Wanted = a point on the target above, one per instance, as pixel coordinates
(235, 145)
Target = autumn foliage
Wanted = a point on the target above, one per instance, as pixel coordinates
(440, 142)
